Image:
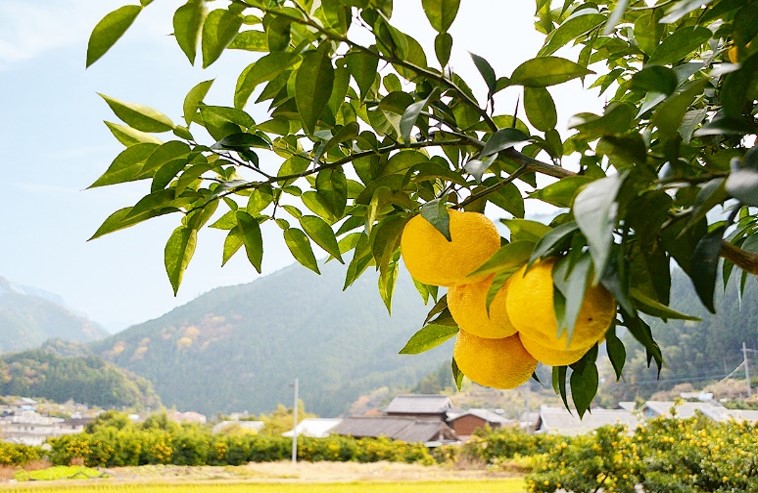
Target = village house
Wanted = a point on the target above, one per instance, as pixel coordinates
(30, 428)
(430, 432)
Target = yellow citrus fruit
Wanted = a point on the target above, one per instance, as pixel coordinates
(468, 306)
(496, 363)
(550, 355)
(431, 259)
(530, 308)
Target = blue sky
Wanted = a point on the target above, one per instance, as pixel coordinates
(54, 145)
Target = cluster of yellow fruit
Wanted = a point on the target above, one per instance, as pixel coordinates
(499, 348)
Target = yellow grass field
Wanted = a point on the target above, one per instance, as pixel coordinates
(508, 485)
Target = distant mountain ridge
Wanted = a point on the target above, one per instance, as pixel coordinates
(30, 316)
(240, 348)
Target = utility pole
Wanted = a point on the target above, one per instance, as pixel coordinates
(294, 423)
(747, 370)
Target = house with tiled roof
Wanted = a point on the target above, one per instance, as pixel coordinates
(420, 406)
(558, 421)
(430, 432)
(466, 422)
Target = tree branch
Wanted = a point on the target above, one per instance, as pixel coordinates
(743, 259)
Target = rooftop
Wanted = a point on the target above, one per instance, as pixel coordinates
(419, 404)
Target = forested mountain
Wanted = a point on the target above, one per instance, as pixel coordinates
(695, 352)
(85, 379)
(28, 317)
(240, 348)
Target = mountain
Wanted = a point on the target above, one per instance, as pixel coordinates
(30, 316)
(240, 348)
(86, 379)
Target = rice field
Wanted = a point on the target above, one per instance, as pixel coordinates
(508, 485)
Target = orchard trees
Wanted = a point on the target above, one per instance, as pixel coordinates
(363, 135)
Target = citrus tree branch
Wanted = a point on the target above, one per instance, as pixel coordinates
(747, 261)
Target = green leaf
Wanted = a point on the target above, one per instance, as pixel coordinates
(486, 71)
(219, 29)
(648, 31)
(508, 259)
(680, 44)
(250, 233)
(595, 212)
(250, 41)
(441, 13)
(547, 71)
(443, 46)
(562, 192)
(188, 23)
(682, 8)
(436, 213)
(122, 219)
(571, 279)
(615, 120)
(331, 185)
(477, 167)
(363, 67)
(410, 115)
(540, 108)
(581, 23)
(584, 380)
(656, 78)
(262, 70)
(616, 352)
(109, 30)
(127, 166)
(457, 374)
(652, 307)
(313, 86)
(742, 184)
(669, 114)
(616, 16)
(232, 243)
(298, 244)
(320, 232)
(193, 99)
(525, 229)
(550, 243)
(179, 250)
(138, 116)
(429, 337)
(129, 136)
(503, 139)
(705, 262)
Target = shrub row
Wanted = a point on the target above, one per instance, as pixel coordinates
(111, 447)
(694, 455)
(12, 454)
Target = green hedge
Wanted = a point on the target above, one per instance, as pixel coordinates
(192, 445)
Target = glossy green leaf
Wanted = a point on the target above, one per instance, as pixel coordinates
(250, 41)
(127, 166)
(705, 262)
(138, 116)
(457, 374)
(680, 44)
(232, 244)
(615, 120)
(443, 46)
(313, 86)
(508, 259)
(321, 233)
(436, 213)
(121, 219)
(300, 247)
(429, 337)
(571, 278)
(503, 139)
(441, 13)
(250, 232)
(486, 71)
(219, 29)
(193, 99)
(577, 25)
(188, 23)
(331, 185)
(652, 307)
(526, 229)
(669, 114)
(477, 167)
(540, 108)
(584, 381)
(562, 192)
(547, 71)
(616, 352)
(262, 70)
(109, 30)
(129, 136)
(177, 254)
(553, 241)
(595, 211)
(363, 67)
(656, 78)
(682, 8)
(410, 116)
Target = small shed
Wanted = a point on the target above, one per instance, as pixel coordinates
(314, 427)
(558, 421)
(465, 423)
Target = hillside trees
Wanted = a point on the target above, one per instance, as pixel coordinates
(363, 135)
